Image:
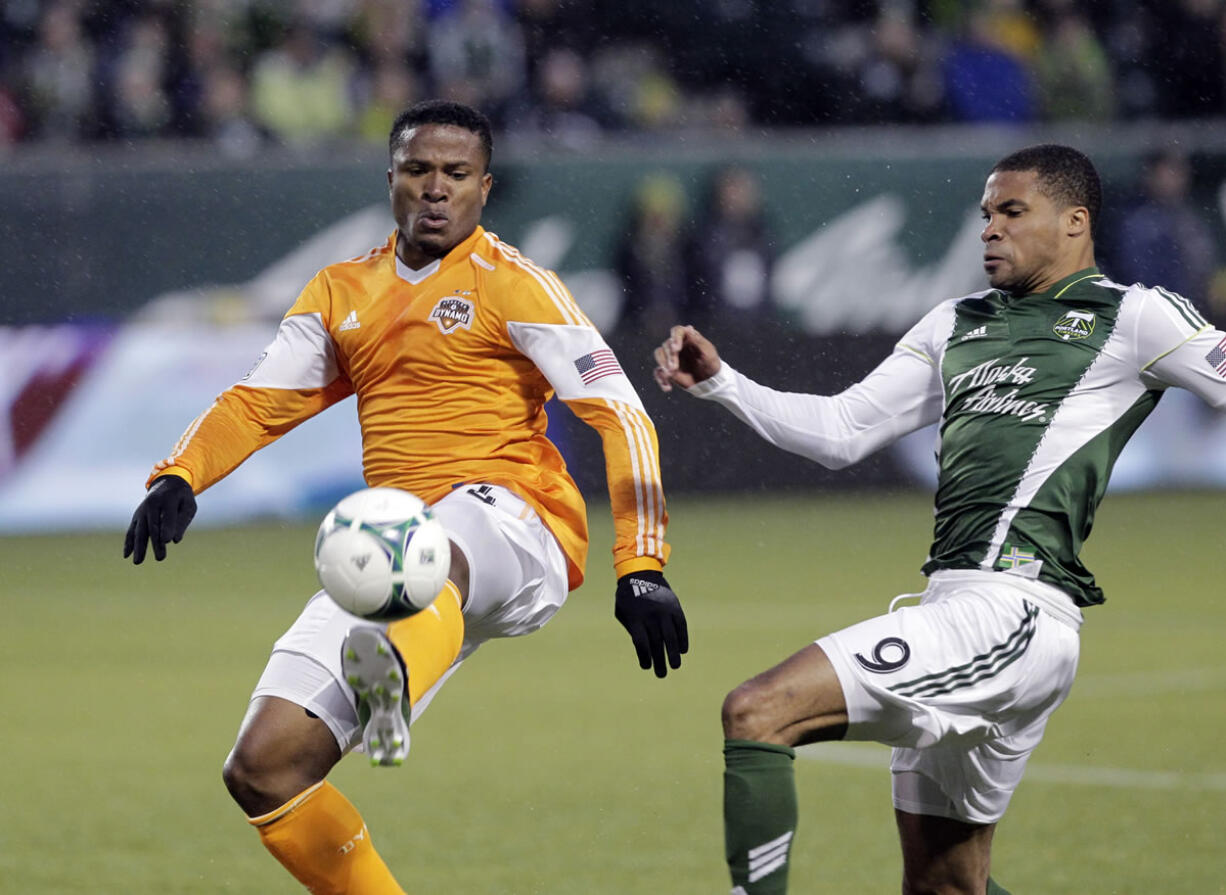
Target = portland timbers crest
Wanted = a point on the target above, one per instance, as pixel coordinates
(1075, 326)
(453, 311)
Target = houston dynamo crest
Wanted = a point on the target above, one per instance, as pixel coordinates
(452, 312)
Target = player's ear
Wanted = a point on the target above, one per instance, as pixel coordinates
(487, 181)
(389, 179)
(1078, 220)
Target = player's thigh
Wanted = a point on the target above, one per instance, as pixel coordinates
(281, 750)
(517, 582)
(795, 702)
(305, 669)
(276, 734)
(968, 665)
(975, 781)
(517, 576)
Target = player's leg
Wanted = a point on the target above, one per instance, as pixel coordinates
(508, 577)
(942, 854)
(276, 774)
(302, 719)
(390, 669)
(978, 650)
(280, 752)
(798, 701)
(922, 676)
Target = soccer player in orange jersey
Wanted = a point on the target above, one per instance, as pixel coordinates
(452, 341)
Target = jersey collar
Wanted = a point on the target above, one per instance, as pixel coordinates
(1055, 291)
(455, 256)
(1062, 286)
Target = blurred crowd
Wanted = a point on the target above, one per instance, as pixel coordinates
(248, 73)
(709, 259)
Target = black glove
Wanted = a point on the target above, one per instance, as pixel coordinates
(651, 612)
(162, 517)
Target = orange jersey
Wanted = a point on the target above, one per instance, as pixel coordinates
(452, 366)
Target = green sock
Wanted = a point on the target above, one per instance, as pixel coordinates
(759, 815)
(995, 888)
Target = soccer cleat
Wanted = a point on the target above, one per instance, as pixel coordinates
(374, 669)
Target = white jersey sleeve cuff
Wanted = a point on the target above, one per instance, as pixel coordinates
(710, 387)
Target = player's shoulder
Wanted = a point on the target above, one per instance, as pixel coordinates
(930, 334)
(374, 261)
(985, 301)
(337, 286)
(944, 314)
(531, 290)
(507, 263)
(1150, 300)
(355, 276)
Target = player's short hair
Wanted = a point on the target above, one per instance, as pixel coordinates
(1066, 176)
(441, 111)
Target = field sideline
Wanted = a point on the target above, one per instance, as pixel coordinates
(552, 764)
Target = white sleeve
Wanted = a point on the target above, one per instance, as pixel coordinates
(300, 356)
(1176, 347)
(576, 360)
(901, 395)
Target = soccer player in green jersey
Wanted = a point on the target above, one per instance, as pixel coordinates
(1037, 383)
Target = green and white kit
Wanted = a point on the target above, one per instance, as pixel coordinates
(1036, 396)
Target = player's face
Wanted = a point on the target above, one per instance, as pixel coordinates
(438, 186)
(1025, 236)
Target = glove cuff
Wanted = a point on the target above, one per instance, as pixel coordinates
(171, 480)
(635, 564)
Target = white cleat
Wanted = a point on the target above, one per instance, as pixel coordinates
(373, 668)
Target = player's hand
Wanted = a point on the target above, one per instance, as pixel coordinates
(684, 358)
(161, 518)
(651, 612)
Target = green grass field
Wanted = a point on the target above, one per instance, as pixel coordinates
(552, 764)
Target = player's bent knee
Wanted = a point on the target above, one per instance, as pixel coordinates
(259, 786)
(243, 782)
(250, 783)
(263, 779)
(743, 715)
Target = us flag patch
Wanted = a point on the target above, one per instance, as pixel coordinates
(1217, 358)
(597, 365)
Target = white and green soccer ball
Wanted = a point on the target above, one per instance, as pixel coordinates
(381, 554)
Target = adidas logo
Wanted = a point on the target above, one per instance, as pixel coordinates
(640, 587)
(977, 333)
(769, 857)
(350, 322)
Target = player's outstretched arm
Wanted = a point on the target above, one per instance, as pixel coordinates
(648, 609)
(684, 358)
(161, 518)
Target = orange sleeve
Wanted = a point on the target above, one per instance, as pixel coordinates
(241, 421)
(295, 378)
(632, 468)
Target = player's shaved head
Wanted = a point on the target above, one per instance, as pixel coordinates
(439, 111)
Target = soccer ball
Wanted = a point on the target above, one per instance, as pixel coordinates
(381, 554)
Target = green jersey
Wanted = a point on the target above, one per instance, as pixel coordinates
(1035, 395)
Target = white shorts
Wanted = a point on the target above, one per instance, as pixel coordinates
(961, 685)
(517, 581)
